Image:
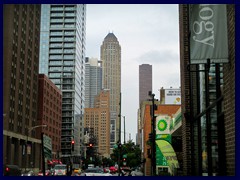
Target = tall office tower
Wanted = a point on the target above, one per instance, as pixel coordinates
(145, 85)
(97, 119)
(145, 81)
(111, 64)
(62, 59)
(21, 33)
(93, 80)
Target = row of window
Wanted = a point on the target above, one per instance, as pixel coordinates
(67, 14)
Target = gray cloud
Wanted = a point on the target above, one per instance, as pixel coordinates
(162, 57)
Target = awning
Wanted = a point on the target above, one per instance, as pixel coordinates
(168, 152)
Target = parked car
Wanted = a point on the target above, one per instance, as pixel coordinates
(11, 170)
(95, 172)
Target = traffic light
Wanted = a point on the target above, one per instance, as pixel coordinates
(119, 146)
(72, 143)
(124, 159)
(150, 137)
(90, 145)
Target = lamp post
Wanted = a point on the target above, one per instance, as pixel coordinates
(28, 131)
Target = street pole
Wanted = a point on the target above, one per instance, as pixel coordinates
(29, 129)
(124, 132)
(43, 155)
(153, 159)
(124, 129)
(119, 138)
(26, 144)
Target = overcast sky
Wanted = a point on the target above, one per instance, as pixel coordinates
(148, 34)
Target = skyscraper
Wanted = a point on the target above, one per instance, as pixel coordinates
(145, 81)
(145, 85)
(111, 64)
(93, 80)
(21, 33)
(62, 59)
(98, 119)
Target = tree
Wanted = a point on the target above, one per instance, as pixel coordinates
(132, 153)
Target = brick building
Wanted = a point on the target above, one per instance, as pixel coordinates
(98, 119)
(162, 109)
(21, 34)
(50, 112)
(208, 132)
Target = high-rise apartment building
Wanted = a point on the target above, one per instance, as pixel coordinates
(93, 80)
(111, 66)
(98, 119)
(62, 59)
(145, 81)
(21, 33)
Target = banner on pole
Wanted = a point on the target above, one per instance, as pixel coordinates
(208, 33)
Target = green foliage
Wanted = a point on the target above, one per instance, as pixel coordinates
(107, 162)
(132, 151)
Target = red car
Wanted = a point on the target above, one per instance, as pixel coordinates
(113, 169)
(47, 173)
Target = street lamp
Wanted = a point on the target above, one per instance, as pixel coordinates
(28, 131)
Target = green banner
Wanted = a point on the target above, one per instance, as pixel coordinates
(160, 159)
(168, 152)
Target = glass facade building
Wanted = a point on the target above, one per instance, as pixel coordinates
(93, 80)
(62, 59)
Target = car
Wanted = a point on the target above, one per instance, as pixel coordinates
(28, 173)
(136, 172)
(47, 173)
(91, 166)
(95, 172)
(11, 170)
(60, 170)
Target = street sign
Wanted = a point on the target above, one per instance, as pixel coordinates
(47, 146)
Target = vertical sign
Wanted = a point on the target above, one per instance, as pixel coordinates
(162, 124)
(162, 132)
(47, 146)
(208, 33)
